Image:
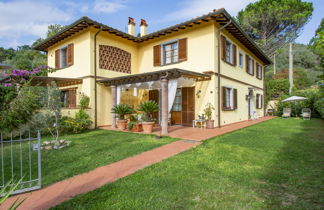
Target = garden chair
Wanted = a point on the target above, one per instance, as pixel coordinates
(286, 113)
(306, 113)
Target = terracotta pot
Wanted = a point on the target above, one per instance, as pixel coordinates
(137, 128)
(210, 124)
(122, 124)
(148, 127)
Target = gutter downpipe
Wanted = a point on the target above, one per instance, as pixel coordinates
(95, 74)
(219, 70)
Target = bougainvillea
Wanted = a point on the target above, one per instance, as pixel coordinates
(20, 76)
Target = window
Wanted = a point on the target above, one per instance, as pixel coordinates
(229, 52)
(229, 98)
(68, 98)
(177, 105)
(170, 53)
(249, 65)
(259, 71)
(63, 54)
(241, 60)
(259, 101)
(64, 57)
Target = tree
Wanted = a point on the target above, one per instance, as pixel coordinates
(317, 44)
(273, 23)
(51, 31)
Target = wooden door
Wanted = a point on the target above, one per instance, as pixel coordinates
(188, 105)
(154, 96)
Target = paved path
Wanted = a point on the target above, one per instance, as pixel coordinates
(66, 189)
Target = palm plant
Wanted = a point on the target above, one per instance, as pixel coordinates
(121, 110)
(148, 107)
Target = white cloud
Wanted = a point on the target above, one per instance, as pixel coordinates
(193, 8)
(103, 6)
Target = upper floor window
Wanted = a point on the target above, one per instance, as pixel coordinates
(241, 60)
(259, 71)
(64, 56)
(228, 51)
(229, 98)
(249, 65)
(170, 53)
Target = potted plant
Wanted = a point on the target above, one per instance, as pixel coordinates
(208, 112)
(121, 110)
(148, 108)
(135, 125)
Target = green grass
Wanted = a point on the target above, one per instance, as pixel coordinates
(275, 164)
(88, 151)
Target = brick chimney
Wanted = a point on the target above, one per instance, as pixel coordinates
(143, 27)
(131, 26)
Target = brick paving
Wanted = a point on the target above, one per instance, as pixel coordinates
(64, 190)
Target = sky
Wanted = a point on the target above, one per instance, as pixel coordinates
(24, 21)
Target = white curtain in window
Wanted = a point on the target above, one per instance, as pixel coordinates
(172, 90)
(118, 95)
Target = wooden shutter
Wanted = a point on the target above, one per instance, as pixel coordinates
(252, 67)
(224, 98)
(223, 43)
(57, 59)
(157, 55)
(182, 52)
(247, 63)
(235, 98)
(234, 55)
(261, 105)
(261, 74)
(72, 98)
(70, 55)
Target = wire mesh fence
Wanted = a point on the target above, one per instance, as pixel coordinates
(21, 159)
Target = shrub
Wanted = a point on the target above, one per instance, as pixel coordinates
(80, 123)
(148, 107)
(121, 110)
(84, 101)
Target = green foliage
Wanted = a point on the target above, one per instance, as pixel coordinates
(18, 107)
(272, 23)
(84, 101)
(276, 88)
(209, 111)
(7, 190)
(121, 110)
(148, 108)
(81, 122)
(317, 43)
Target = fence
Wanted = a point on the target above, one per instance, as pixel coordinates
(21, 159)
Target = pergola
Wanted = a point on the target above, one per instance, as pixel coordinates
(161, 78)
(60, 82)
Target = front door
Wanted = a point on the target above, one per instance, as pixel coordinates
(188, 105)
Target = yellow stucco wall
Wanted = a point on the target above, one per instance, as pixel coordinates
(201, 54)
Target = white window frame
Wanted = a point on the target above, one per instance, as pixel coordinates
(229, 57)
(162, 52)
(259, 71)
(61, 57)
(250, 65)
(241, 59)
(231, 97)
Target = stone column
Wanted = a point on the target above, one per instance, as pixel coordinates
(113, 103)
(164, 110)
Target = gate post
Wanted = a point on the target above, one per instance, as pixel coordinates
(39, 159)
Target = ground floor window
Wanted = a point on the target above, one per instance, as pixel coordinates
(177, 104)
(68, 98)
(229, 98)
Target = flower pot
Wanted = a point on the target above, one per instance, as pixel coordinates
(122, 124)
(210, 124)
(137, 128)
(148, 127)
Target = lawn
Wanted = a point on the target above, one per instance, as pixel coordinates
(275, 164)
(88, 151)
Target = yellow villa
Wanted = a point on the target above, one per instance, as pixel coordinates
(209, 59)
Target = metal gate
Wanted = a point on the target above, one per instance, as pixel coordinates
(21, 159)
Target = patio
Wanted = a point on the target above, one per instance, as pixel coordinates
(200, 134)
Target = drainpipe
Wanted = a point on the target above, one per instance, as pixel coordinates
(219, 71)
(95, 74)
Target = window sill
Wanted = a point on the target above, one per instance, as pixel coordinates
(63, 68)
(228, 109)
(232, 64)
(171, 63)
(252, 74)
